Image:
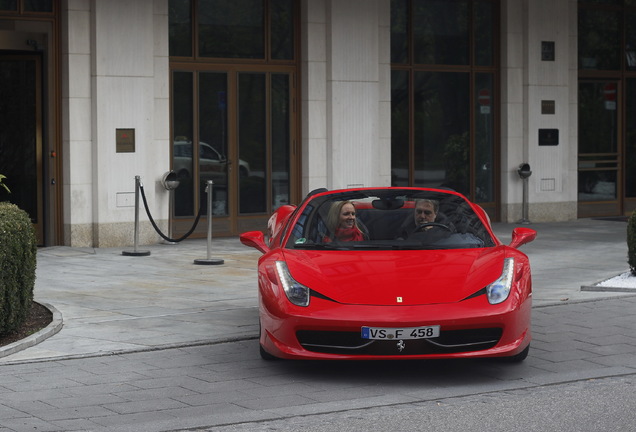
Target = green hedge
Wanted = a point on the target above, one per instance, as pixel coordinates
(631, 242)
(18, 253)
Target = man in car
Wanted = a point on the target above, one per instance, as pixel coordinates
(426, 211)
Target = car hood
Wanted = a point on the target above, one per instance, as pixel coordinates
(396, 277)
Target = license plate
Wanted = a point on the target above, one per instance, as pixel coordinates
(384, 333)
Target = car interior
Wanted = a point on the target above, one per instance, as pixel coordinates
(387, 220)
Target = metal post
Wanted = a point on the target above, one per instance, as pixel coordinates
(524, 172)
(170, 182)
(136, 252)
(524, 209)
(170, 211)
(209, 260)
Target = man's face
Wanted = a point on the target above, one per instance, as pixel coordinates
(424, 213)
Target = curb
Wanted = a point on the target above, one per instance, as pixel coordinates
(37, 337)
(171, 346)
(596, 287)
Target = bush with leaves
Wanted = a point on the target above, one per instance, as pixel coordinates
(18, 250)
(631, 242)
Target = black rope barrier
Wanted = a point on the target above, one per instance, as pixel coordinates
(152, 221)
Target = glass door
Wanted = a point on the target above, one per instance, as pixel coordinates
(599, 158)
(21, 135)
(264, 131)
(444, 104)
(233, 128)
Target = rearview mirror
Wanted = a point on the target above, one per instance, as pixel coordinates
(388, 204)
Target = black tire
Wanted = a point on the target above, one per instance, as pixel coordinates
(519, 357)
(265, 355)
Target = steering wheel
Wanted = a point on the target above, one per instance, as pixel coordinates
(426, 225)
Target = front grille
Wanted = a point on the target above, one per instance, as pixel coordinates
(350, 343)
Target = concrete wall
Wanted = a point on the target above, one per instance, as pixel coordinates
(115, 70)
(345, 93)
(527, 80)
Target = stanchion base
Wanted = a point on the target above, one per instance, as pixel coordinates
(135, 253)
(211, 261)
(524, 222)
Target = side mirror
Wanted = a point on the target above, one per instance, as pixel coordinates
(255, 239)
(521, 236)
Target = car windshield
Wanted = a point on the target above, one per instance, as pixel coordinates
(388, 219)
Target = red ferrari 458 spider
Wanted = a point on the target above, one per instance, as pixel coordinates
(390, 273)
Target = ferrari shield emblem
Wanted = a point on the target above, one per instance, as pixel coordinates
(399, 299)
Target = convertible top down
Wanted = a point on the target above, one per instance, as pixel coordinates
(388, 273)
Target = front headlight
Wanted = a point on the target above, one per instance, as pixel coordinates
(499, 290)
(297, 293)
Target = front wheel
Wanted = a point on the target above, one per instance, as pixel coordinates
(265, 355)
(519, 357)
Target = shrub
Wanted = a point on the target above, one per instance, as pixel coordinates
(18, 253)
(631, 242)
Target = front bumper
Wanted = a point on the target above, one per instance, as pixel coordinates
(328, 330)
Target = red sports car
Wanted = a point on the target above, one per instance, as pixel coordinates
(390, 273)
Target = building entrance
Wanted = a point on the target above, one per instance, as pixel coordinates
(234, 68)
(235, 128)
(21, 135)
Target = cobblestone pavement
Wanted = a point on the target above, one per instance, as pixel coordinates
(226, 383)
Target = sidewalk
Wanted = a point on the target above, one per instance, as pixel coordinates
(105, 302)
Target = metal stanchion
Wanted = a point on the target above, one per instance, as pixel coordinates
(135, 251)
(170, 182)
(524, 172)
(209, 260)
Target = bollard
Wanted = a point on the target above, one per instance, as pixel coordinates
(135, 251)
(209, 260)
(170, 182)
(524, 173)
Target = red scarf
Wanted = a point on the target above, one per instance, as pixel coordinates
(346, 234)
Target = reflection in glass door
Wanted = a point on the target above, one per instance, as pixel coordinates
(21, 135)
(194, 164)
(264, 139)
(599, 157)
(444, 112)
(235, 129)
(442, 147)
(213, 152)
